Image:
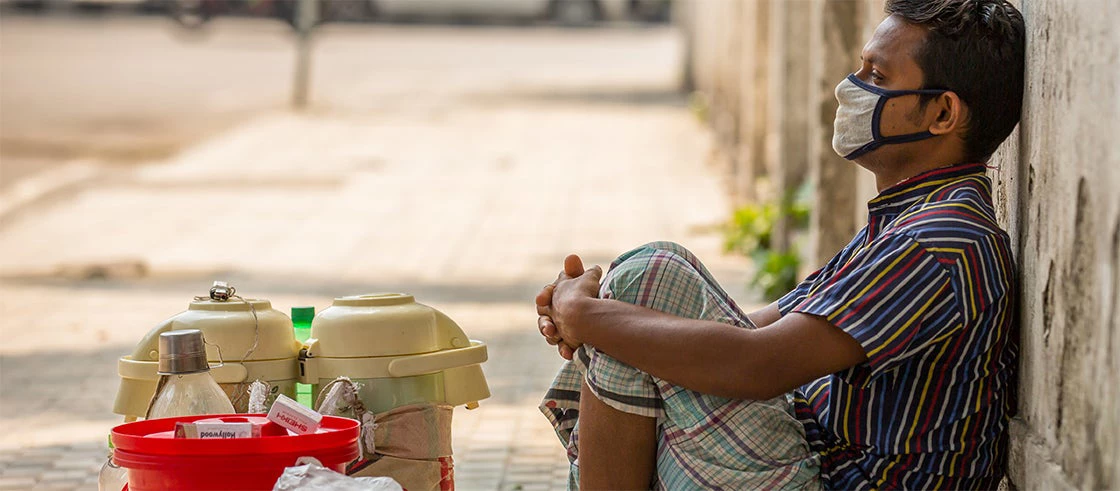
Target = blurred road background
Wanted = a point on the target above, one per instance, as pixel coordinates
(140, 161)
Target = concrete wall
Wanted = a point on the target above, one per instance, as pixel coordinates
(1058, 194)
(754, 55)
(1057, 190)
(714, 44)
(785, 139)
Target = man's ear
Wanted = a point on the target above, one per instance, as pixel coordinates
(951, 114)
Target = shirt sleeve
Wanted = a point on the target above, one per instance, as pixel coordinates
(795, 297)
(891, 297)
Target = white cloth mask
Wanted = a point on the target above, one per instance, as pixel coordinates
(856, 128)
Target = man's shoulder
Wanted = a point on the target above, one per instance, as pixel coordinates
(958, 215)
(957, 226)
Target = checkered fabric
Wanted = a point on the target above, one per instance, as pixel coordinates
(704, 442)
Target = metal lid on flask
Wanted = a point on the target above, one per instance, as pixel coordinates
(182, 352)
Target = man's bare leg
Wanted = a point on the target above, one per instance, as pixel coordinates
(617, 450)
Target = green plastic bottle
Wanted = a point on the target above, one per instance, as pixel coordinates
(301, 321)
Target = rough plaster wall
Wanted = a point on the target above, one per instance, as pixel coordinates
(835, 43)
(725, 22)
(748, 60)
(786, 135)
(703, 46)
(1058, 193)
(684, 17)
(729, 68)
(787, 155)
(756, 87)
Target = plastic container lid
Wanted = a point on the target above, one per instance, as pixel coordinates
(383, 324)
(230, 325)
(156, 437)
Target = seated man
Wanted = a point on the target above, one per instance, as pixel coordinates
(900, 354)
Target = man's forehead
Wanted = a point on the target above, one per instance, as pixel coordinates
(894, 43)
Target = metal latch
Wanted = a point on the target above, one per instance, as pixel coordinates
(221, 291)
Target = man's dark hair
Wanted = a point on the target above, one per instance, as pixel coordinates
(976, 49)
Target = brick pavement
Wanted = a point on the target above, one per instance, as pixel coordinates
(470, 209)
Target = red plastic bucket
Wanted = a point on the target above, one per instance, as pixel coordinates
(157, 461)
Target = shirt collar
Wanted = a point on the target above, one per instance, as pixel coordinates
(897, 198)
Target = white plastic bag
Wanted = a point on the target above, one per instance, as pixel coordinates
(312, 476)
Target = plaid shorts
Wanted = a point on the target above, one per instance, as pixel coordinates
(704, 442)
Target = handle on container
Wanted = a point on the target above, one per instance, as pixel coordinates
(440, 360)
(148, 347)
(308, 365)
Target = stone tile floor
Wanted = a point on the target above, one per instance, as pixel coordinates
(469, 203)
(477, 246)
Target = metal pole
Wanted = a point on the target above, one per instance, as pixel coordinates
(306, 13)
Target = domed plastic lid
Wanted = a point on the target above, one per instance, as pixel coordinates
(375, 300)
(383, 324)
(237, 305)
(238, 326)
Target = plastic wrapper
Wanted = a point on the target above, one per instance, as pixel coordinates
(314, 477)
(258, 396)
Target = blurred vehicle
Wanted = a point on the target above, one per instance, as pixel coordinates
(567, 12)
(88, 5)
(650, 10)
(194, 13)
(346, 10)
(24, 4)
(105, 4)
(330, 10)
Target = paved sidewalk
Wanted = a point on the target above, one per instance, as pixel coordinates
(471, 209)
(459, 165)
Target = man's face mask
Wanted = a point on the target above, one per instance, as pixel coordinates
(856, 129)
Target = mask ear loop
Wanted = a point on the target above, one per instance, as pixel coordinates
(877, 138)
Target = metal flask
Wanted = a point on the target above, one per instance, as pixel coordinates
(182, 352)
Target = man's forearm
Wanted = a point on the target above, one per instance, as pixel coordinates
(766, 315)
(704, 356)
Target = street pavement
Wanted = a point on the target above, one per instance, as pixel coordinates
(462, 170)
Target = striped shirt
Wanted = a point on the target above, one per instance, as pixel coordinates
(928, 289)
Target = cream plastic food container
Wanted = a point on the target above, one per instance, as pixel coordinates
(399, 351)
(230, 326)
